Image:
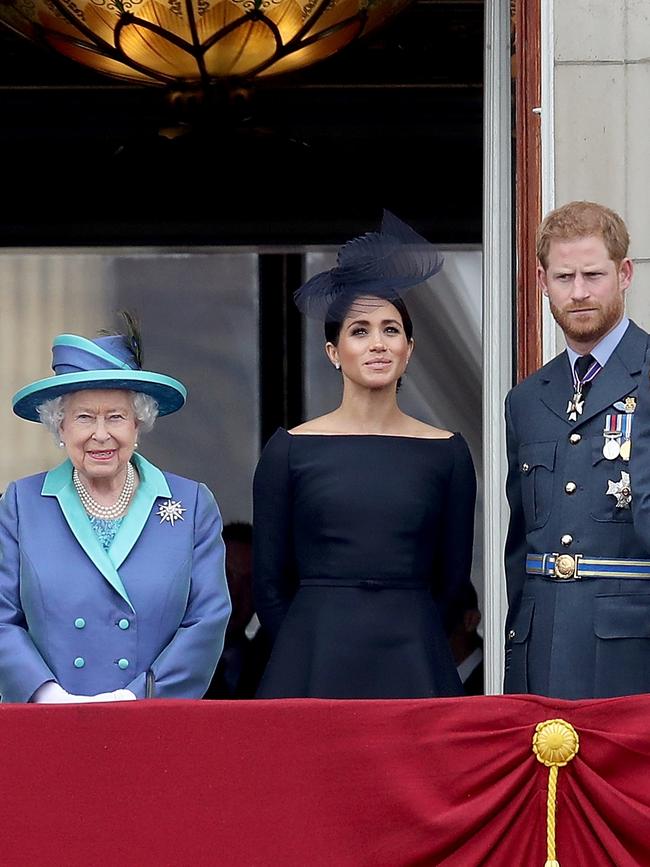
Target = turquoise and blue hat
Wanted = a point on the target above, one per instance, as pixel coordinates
(104, 362)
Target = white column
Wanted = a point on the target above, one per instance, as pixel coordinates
(497, 322)
(547, 71)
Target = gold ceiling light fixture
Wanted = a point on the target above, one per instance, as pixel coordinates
(196, 43)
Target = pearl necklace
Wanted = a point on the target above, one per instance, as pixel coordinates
(98, 510)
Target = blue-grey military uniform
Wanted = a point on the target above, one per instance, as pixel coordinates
(572, 633)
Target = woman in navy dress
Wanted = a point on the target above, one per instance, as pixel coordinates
(363, 518)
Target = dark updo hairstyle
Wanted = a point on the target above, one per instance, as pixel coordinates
(339, 309)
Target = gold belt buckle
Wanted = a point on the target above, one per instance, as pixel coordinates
(565, 566)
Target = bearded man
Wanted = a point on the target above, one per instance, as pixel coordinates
(578, 575)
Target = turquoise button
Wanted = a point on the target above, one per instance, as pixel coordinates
(124, 623)
(123, 663)
(80, 623)
(79, 662)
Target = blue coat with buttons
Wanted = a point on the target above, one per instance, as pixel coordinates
(577, 638)
(96, 620)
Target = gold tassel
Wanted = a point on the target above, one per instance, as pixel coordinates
(555, 743)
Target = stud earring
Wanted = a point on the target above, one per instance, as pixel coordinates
(135, 445)
(337, 366)
(61, 444)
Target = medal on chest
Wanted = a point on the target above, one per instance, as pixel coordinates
(576, 404)
(626, 430)
(613, 435)
(621, 490)
(618, 430)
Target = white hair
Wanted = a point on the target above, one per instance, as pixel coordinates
(145, 408)
(52, 412)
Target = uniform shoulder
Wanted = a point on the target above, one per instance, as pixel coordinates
(635, 328)
(634, 346)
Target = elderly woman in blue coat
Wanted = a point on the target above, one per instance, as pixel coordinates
(112, 582)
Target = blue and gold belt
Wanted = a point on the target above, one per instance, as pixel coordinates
(565, 567)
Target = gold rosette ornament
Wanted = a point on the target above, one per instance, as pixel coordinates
(555, 743)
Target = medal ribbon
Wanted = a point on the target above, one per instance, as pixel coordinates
(626, 426)
(592, 371)
(574, 407)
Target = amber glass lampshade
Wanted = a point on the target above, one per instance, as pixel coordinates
(196, 41)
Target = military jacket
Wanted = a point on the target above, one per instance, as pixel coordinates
(575, 638)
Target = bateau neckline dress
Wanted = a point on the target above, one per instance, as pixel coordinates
(361, 545)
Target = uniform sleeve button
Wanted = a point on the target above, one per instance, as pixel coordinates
(79, 662)
(525, 467)
(570, 487)
(79, 623)
(123, 623)
(123, 663)
(512, 634)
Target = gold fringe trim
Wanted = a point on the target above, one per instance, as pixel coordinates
(555, 743)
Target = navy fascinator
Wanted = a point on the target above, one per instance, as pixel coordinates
(383, 264)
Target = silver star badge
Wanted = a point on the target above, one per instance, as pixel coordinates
(171, 511)
(622, 490)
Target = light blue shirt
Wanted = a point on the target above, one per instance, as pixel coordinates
(603, 350)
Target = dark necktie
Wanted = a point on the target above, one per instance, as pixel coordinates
(582, 365)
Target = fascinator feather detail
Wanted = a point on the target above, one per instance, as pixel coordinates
(380, 264)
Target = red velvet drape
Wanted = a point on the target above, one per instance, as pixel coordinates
(303, 783)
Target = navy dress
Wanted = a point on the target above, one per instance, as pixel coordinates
(361, 545)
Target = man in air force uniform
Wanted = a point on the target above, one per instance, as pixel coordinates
(578, 574)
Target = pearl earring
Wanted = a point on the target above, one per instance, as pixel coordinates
(337, 366)
(61, 444)
(135, 445)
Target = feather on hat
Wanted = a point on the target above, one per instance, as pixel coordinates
(383, 264)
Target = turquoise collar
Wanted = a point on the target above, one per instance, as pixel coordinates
(153, 484)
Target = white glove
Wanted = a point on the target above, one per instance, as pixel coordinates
(52, 693)
(116, 695)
